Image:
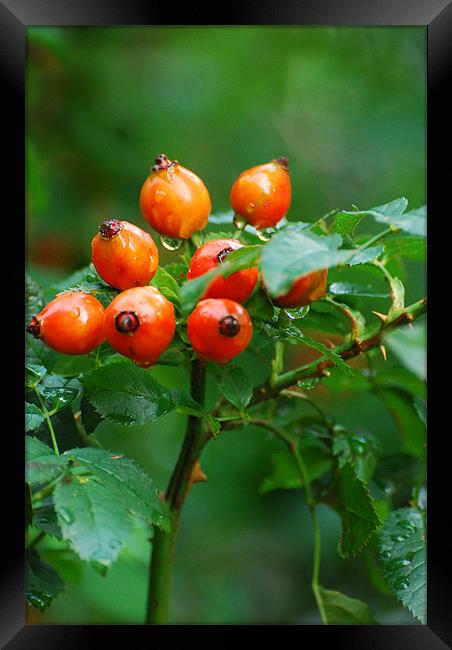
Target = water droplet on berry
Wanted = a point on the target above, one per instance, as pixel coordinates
(170, 243)
(264, 234)
(159, 196)
(239, 222)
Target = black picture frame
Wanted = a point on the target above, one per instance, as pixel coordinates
(436, 16)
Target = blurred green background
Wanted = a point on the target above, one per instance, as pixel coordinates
(347, 106)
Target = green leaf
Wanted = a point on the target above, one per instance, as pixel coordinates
(359, 517)
(186, 404)
(400, 405)
(125, 480)
(409, 345)
(285, 474)
(58, 392)
(125, 394)
(45, 518)
(413, 222)
(259, 306)
(403, 556)
(397, 475)
(399, 377)
(291, 254)
(175, 354)
(343, 610)
(358, 449)
(34, 448)
(101, 501)
(243, 258)
(34, 301)
(353, 289)
(235, 385)
(345, 222)
(95, 524)
(43, 583)
(33, 416)
(90, 417)
(405, 246)
(397, 299)
(392, 209)
(41, 463)
(167, 285)
(367, 255)
(392, 213)
(420, 406)
(292, 331)
(86, 279)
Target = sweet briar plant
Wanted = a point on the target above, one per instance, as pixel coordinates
(91, 498)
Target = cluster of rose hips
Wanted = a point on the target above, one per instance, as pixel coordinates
(139, 322)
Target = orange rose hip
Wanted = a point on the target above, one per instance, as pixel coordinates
(174, 200)
(305, 290)
(124, 255)
(72, 323)
(262, 194)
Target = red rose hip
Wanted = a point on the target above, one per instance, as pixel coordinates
(139, 324)
(219, 329)
(72, 323)
(237, 286)
(305, 290)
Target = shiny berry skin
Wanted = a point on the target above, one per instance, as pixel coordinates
(262, 194)
(124, 255)
(219, 329)
(72, 323)
(237, 286)
(304, 290)
(139, 324)
(174, 200)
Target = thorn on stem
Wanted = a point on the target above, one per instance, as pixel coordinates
(197, 475)
(382, 317)
(382, 349)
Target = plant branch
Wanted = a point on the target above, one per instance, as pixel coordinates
(347, 350)
(49, 423)
(163, 543)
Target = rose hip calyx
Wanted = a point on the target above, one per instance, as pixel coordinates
(109, 228)
(127, 322)
(229, 326)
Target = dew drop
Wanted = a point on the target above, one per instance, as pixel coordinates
(250, 207)
(264, 234)
(170, 243)
(159, 196)
(66, 516)
(239, 222)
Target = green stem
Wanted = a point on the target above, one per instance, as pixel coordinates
(346, 350)
(163, 543)
(302, 470)
(49, 423)
(278, 361)
(376, 238)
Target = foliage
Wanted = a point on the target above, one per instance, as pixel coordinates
(92, 499)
